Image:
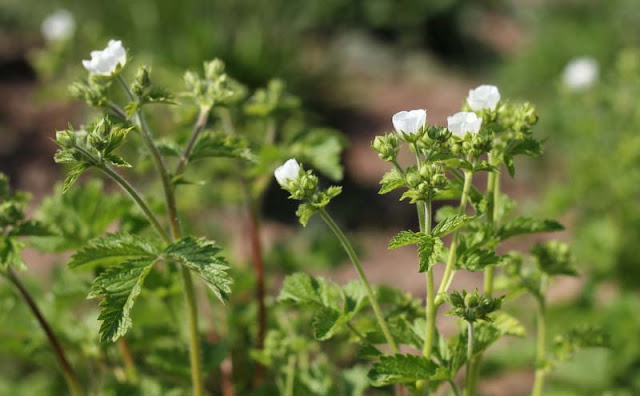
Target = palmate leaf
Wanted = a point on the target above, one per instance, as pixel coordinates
(203, 258)
(114, 249)
(120, 286)
(526, 225)
(401, 369)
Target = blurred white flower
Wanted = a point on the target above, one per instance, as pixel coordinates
(483, 97)
(409, 122)
(57, 26)
(287, 172)
(463, 122)
(105, 62)
(580, 73)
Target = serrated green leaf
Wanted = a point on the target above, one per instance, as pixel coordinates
(301, 288)
(428, 251)
(565, 346)
(404, 238)
(391, 181)
(401, 369)
(203, 258)
(325, 321)
(476, 259)
(119, 286)
(116, 160)
(113, 249)
(554, 258)
(220, 145)
(73, 175)
(304, 212)
(526, 225)
(451, 224)
(507, 324)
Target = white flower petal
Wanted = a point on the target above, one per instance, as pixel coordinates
(580, 73)
(409, 122)
(105, 62)
(287, 172)
(464, 122)
(59, 25)
(483, 97)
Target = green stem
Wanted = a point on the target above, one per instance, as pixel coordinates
(174, 221)
(430, 300)
(468, 388)
(137, 198)
(451, 258)
(291, 375)
(541, 372)
(68, 372)
(197, 129)
(363, 278)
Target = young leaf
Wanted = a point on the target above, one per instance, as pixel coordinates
(405, 238)
(325, 321)
(73, 175)
(451, 224)
(526, 225)
(301, 288)
(304, 213)
(401, 369)
(554, 258)
(31, 228)
(220, 145)
(428, 251)
(203, 258)
(114, 249)
(120, 286)
(391, 181)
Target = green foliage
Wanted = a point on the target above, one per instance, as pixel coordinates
(220, 145)
(474, 306)
(203, 258)
(565, 346)
(114, 249)
(526, 225)
(554, 258)
(451, 224)
(401, 369)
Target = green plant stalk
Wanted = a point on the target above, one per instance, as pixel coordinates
(541, 354)
(174, 221)
(447, 277)
(127, 357)
(290, 376)
(197, 129)
(431, 298)
(468, 386)
(138, 199)
(363, 278)
(67, 371)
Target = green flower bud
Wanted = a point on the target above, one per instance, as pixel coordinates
(65, 139)
(387, 147)
(142, 81)
(213, 69)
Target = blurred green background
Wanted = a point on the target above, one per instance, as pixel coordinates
(355, 63)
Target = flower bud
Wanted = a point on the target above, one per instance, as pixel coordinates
(65, 139)
(439, 134)
(213, 69)
(142, 81)
(387, 147)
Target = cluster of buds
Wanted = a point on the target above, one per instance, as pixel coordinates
(519, 118)
(473, 306)
(271, 100)
(387, 146)
(215, 88)
(92, 146)
(142, 82)
(303, 186)
(426, 181)
(93, 92)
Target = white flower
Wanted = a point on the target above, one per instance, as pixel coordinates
(287, 172)
(580, 73)
(483, 97)
(58, 26)
(409, 122)
(105, 62)
(463, 122)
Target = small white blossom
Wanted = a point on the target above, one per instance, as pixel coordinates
(463, 122)
(105, 62)
(409, 122)
(287, 172)
(580, 73)
(483, 97)
(58, 26)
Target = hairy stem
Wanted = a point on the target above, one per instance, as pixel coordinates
(447, 277)
(290, 376)
(468, 387)
(138, 199)
(431, 298)
(363, 278)
(68, 372)
(197, 129)
(174, 221)
(541, 354)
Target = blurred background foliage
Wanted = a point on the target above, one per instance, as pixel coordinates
(590, 172)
